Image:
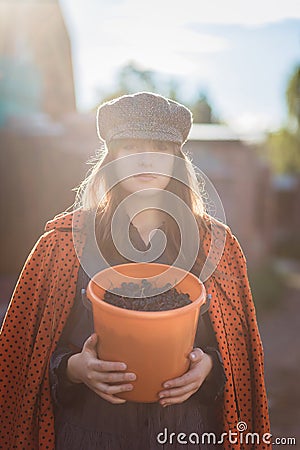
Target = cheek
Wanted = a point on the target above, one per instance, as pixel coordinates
(162, 181)
(162, 166)
(129, 184)
(166, 168)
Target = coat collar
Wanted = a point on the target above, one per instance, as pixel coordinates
(67, 221)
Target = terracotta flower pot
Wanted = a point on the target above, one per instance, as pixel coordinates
(154, 344)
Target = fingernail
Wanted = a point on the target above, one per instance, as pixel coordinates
(166, 385)
(132, 376)
(193, 356)
(161, 395)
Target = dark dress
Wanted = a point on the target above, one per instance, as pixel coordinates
(85, 421)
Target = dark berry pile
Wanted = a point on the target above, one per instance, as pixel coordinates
(159, 300)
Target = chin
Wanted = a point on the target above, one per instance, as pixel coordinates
(133, 185)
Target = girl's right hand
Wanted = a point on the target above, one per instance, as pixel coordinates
(98, 375)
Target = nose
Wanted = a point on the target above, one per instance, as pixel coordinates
(145, 157)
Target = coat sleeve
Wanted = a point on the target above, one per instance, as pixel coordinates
(38, 310)
(260, 414)
(234, 320)
(18, 336)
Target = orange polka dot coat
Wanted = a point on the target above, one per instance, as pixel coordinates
(42, 301)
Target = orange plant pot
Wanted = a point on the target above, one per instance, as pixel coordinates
(154, 344)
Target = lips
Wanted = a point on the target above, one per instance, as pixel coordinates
(147, 176)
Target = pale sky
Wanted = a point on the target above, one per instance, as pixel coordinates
(239, 53)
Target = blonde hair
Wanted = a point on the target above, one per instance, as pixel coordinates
(92, 191)
(94, 194)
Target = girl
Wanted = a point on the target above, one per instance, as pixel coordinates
(56, 392)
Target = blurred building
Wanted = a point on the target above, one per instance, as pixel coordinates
(242, 181)
(36, 74)
(40, 164)
(36, 98)
(287, 215)
(287, 191)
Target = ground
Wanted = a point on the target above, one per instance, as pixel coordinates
(281, 340)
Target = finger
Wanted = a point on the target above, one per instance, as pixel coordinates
(176, 400)
(178, 392)
(91, 343)
(111, 389)
(187, 378)
(196, 355)
(99, 365)
(112, 399)
(112, 377)
(205, 362)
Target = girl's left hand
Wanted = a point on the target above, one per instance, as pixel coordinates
(180, 389)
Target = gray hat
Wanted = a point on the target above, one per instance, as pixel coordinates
(143, 115)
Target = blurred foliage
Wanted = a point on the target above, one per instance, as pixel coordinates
(283, 147)
(131, 78)
(202, 111)
(267, 286)
(293, 96)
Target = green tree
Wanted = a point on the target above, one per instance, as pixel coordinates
(131, 78)
(283, 147)
(202, 110)
(284, 151)
(293, 97)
